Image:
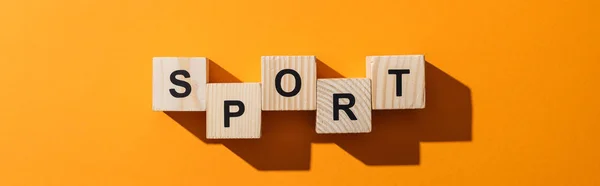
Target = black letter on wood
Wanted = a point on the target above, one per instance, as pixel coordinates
(229, 114)
(398, 74)
(297, 86)
(337, 107)
(186, 85)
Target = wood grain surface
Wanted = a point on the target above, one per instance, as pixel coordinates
(162, 67)
(245, 126)
(306, 68)
(360, 88)
(384, 84)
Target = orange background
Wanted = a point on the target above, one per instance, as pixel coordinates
(512, 92)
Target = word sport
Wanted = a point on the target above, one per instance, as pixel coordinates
(288, 83)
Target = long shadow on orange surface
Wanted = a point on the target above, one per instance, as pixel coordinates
(285, 136)
(394, 140)
(395, 135)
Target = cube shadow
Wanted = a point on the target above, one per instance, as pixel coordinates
(394, 140)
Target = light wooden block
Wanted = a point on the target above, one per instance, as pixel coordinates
(360, 89)
(247, 125)
(167, 72)
(287, 95)
(384, 85)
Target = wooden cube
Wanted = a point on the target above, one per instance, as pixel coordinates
(289, 83)
(398, 82)
(179, 83)
(343, 105)
(233, 111)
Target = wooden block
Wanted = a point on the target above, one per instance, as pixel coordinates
(343, 105)
(179, 83)
(233, 111)
(289, 83)
(388, 93)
